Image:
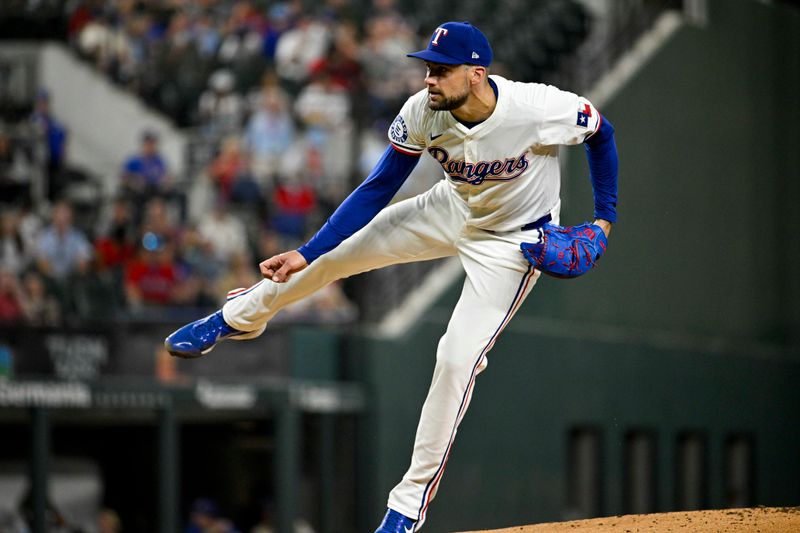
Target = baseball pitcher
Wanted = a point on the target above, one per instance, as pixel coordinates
(496, 209)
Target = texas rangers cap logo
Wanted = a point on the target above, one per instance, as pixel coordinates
(436, 34)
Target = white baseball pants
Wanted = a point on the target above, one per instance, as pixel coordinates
(431, 225)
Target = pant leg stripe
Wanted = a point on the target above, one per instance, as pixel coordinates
(232, 295)
(518, 297)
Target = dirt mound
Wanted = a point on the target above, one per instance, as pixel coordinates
(759, 520)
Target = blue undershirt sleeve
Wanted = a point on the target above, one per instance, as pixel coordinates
(363, 203)
(601, 152)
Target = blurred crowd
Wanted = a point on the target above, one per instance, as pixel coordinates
(52, 271)
(178, 52)
(138, 254)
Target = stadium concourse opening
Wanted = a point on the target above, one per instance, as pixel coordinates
(119, 461)
(159, 456)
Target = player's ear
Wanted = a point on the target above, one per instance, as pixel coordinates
(478, 74)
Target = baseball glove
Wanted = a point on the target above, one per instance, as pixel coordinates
(566, 252)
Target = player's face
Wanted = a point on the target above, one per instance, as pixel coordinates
(448, 86)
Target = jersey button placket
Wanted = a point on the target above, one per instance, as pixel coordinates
(468, 154)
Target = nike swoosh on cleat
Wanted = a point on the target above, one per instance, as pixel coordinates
(412, 527)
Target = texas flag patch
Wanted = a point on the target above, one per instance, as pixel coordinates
(584, 114)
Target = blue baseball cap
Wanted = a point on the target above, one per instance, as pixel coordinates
(457, 43)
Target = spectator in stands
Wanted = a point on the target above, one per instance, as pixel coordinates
(199, 268)
(116, 244)
(204, 517)
(15, 252)
(63, 257)
(158, 220)
(179, 31)
(342, 62)
(270, 83)
(108, 521)
(29, 224)
(323, 104)
(270, 134)
(221, 108)
(41, 307)
(281, 16)
(178, 72)
(324, 108)
(293, 201)
(11, 298)
(300, 48)
(54, 136)
(15, 170)
(103, 41)
(225, 232)
(229, 167)
(115, 247)
(206, 35)
(147, 170)
(152, 278)
(387, 39)
(80, 15)
(62, 250)
(241, 34)
(146, 175)
(141, 41)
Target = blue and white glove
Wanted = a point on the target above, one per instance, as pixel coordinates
(566, 251)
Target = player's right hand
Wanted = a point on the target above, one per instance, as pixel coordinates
(279, 268)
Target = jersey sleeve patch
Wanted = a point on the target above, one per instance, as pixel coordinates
(401, 138)
(398, 131)
(588, 116)
(584, 114)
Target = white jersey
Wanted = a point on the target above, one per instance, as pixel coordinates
(506, 168)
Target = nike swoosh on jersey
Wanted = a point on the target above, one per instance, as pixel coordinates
(434, 137)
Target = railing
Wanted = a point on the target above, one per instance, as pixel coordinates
(613, 32)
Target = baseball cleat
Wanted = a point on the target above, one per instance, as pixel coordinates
(395, 522)
(199, 337)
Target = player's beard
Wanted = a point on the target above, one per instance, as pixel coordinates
(448, 103)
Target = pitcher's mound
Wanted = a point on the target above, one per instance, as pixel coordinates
(760, 519)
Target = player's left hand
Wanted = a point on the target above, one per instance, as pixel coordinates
(279, 268)
(568, 251)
